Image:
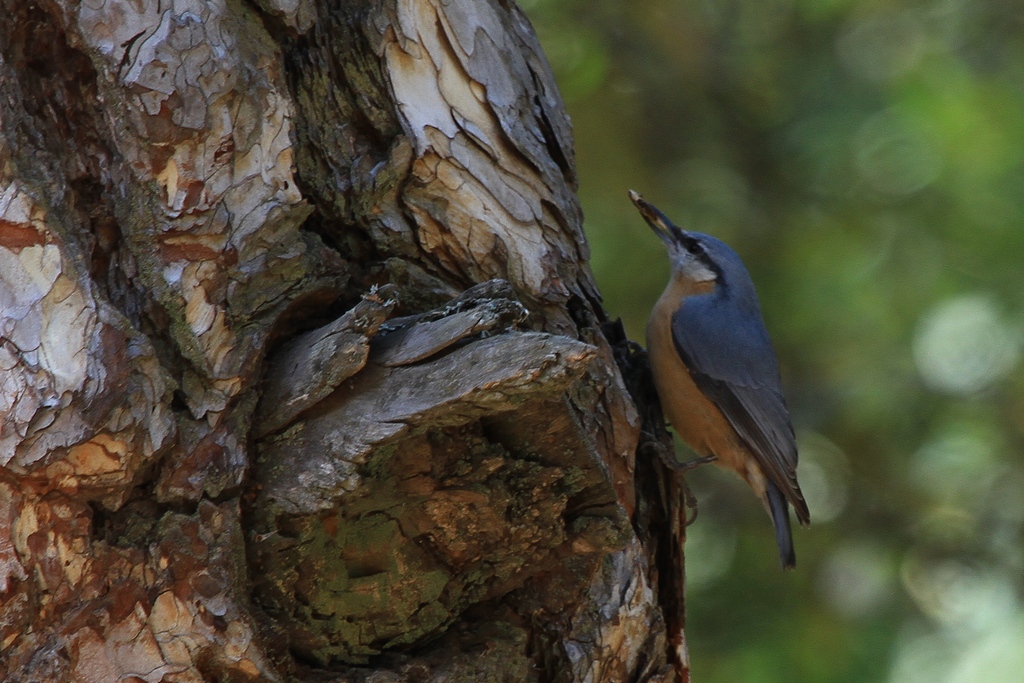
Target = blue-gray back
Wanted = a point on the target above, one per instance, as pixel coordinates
(723, 341)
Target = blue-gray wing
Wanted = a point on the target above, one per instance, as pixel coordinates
(732, 361)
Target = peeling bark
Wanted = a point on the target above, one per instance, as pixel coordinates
(303, 372)
(312, 365)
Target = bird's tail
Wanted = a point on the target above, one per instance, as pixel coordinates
(780, 519)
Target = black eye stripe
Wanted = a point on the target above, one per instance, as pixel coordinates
(698, 250)
(694, 247)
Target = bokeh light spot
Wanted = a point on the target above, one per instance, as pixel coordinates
(895, 157)
(823, 471)
(958, 465)
(997, 657)
(922, 659)
(958, 596)
(963, 345)
(857, 579)
(980, 634)
(882, 46)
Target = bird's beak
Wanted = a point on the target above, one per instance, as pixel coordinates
(659, 222)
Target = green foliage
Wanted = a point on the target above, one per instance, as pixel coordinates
(865, 159)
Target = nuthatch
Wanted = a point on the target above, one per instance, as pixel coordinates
(716, 373)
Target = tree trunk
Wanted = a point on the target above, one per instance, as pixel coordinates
(304, 372)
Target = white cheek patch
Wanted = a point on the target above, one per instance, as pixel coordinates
(700, 272)
(690, 266)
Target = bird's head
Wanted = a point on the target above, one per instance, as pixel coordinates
(689, 252)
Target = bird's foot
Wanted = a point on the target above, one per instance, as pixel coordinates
(696, 462)
(690, 501)
(669, 458)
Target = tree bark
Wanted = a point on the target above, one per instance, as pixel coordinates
(303, 372)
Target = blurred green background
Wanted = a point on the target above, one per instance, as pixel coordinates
(867, 161)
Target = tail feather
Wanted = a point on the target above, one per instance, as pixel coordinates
(780, 519)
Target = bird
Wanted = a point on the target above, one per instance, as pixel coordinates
(716, 373)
